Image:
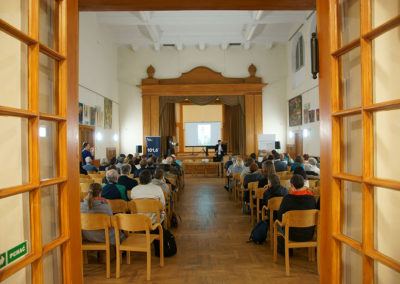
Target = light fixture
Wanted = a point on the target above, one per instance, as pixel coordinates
(99, 136)
(306, 132)
(115, 137)
(291, 134)
(42, 131)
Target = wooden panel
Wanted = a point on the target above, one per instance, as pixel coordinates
(329, 247)
(258, 120)
(72, 250)
(249, 124)
(155, 115)
(149, 5)
(146, 109)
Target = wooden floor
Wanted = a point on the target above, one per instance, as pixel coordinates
(212, 247)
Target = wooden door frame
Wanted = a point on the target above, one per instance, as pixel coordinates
(327, 266)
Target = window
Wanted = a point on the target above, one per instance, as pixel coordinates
(299, 53)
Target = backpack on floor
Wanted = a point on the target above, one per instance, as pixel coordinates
(259, 233)
(175, 219)
(169, 244)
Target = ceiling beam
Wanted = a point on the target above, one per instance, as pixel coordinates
(170, 5)
(152, 30)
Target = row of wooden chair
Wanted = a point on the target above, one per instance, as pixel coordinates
(133, 226)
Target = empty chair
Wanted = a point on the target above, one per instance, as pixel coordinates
(136, 242)
(252, 187)
(151, 207)
(296, 219)
(96, 221)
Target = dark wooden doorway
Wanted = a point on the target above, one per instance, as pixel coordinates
(298, 141)
(86, 134)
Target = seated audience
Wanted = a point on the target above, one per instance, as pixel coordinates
(268, 169)
(305, 158)
(311, 167)
(104, 164)
(89, 167)
(159, 180)
(254, 157)
(246, 169)
(120, 162)
(146, 189)
(143, 166)
(124, 178)
(300, 171)
(299, 198)
(280, 163)
(298, 162)
(274, 189)
(253, 176)
(94, 203)
(87, 151)
(236, 167)
(113, 190)
(82, 170)
(288, 159)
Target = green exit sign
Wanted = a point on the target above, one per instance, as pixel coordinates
(13, 254)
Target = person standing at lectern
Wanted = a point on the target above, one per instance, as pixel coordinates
(219, 151)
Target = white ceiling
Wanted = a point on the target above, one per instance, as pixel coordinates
(201, 28)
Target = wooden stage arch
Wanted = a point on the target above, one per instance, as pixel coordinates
(202, 81)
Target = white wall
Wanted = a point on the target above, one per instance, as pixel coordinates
(302, 83)
(98, 75)
(169, 63)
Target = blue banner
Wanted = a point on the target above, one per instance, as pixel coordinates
(153, 146)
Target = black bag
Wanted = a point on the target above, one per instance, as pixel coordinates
(174, 220)
(169, 244)
(259, 233)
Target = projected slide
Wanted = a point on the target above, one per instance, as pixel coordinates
(202, 133)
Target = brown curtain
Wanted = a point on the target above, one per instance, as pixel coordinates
(167, 120)
(234, 129)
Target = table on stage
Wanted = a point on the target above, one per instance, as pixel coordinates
(206, 169)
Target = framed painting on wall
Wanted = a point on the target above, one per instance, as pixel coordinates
(317, 113)
(107, 113)
(311, 113)
(99, 117)
(306, 111)
(85, 119)
(80, 113)
(295, 111)
(92, 116)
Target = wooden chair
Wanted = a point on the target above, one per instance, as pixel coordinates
(236, 184)
(240, 191)
(118, 205)
(273, 205)
(140, 242)
(297, 219)
(312, 183)
(98, 180)
(96, 175)
(252, 187)
(95, 221)
(84, 176)
(86, 180)
(84, 189)
(146, 206)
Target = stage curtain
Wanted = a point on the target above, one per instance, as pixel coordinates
(234, 129)
(167, 120)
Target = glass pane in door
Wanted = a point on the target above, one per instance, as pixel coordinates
(387, 221)
(52, 266)
(350, 84)
(48, 23)
(23, 276)
(13, 72)
(352, 144)
(386, 137)
(384, 10)
(50, 213)
(351, 266)
(384, 274)
(15, 13)
(352, 210)
(386, 66)
(47, 84)
(48, 149)
(349, 18)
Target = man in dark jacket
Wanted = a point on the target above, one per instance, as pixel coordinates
(299, 198)
(113, 190)
(274, 189)
(124, 179)
(253, 176)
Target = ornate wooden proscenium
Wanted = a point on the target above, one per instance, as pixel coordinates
(202, 81)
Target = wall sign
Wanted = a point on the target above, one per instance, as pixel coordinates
(153, 146)
(13, 254)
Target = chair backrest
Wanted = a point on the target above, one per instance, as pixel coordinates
(274, 203)
(83, 176)
(118, 205)
(96, 175)
(84, 186)
(98, 180)
(286, 183)
(86, 180)
(145, 205)
(252, 185)
(131, 222)
(313, 183)
(301, 218)
(95, 221)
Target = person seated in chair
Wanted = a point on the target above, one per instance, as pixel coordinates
(280, 163)
(219, 152)
(299, 198)
(253, 176)
(113, 190)
(94, 203)
(311, 167)
(124, 178)
(89, 166)
(274, 189)
(147, 189)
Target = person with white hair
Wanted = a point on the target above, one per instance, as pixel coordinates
(89, 166)
(103, 164)
(311, 167)
(113, 190)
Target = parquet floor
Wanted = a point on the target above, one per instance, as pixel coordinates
(212, 248)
